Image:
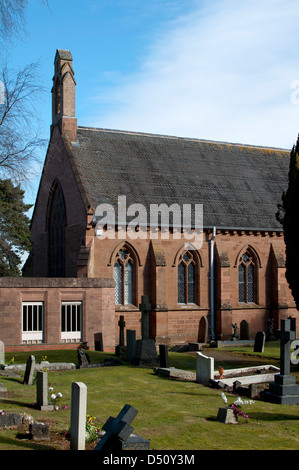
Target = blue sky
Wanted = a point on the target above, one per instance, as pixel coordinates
(218, 69)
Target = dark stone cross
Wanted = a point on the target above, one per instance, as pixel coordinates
(145, 308)
(117, 429)
(286, 334)
(121, 325)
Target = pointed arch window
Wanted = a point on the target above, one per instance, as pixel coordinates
(186, 279)
(123, 272)
(247, 275)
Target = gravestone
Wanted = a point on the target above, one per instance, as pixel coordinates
(3, 390)
(98, 342)
(145, 348)
(284, 389)
(83, 358)
(42, 391)
(203, 333)
(39, 432)
(131, 341)
(120, 348)
(118, 433)
(259, 342)
(204, 368)
(29, 371)
(227, 416)
(144, 308)
(244, 330)
(2, 353)
(78, 416)
(163, 355)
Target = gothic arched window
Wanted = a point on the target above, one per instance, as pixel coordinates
(247, 274)
(123, 272)
(56, 227)
(186, 279)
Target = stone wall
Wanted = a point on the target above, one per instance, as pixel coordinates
(98, 309)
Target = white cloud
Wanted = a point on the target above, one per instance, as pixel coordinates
(223, 72)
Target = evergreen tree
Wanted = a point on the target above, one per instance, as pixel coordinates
(288, 215)
(14, 228)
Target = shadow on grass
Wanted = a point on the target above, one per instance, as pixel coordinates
(18, 403)
(23, 444)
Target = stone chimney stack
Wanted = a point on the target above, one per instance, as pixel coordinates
(63, 95)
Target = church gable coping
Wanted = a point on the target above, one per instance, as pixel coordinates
(239, 186)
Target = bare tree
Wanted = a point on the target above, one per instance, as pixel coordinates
(12, 17)
(19, 131)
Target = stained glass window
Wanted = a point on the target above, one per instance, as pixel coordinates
(186, 279)
(247, 278)
(123, 272)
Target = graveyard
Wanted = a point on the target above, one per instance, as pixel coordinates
(168, 414)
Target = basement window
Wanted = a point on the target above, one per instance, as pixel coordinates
(71, 322)
(32, 322)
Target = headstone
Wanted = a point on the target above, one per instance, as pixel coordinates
(131, 342)
(39, 432)
(244, 330)
(284, 389)
(203, 334)
(2, 353)
(120, 348)
(83, 358)
(29, 371)
(42, 391)
(259, 342)
(204, 368)
(117, 430)
(78, 416)
(227, 416)
(163, 355)
(145, 308)
(3, 390)
(145, 353)
(98, 342)
(10, 419)
(235, 335)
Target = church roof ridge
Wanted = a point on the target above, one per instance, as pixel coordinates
(192, 139)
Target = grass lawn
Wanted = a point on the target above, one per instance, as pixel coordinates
(173, 415)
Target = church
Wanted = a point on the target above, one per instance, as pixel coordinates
(231, 274)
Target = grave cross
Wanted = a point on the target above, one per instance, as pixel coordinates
(118, 428)
(121, 325)
(286, 334)
(145, 308)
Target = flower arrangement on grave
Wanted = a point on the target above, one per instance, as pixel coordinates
(91, 429)
(11, 361)
(55, 398)
(236, 406)
(2, 412)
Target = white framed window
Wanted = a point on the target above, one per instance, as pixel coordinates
(71, 321)
(32, 322)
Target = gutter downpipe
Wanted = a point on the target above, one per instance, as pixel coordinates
(212, 308)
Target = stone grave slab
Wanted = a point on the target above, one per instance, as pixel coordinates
(29, 371)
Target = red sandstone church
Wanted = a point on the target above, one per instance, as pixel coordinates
(76, 284)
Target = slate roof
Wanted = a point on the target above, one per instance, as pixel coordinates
(238, 185)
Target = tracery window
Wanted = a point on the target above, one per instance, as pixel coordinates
(247, 275)
(123, 272)
(186, 279)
